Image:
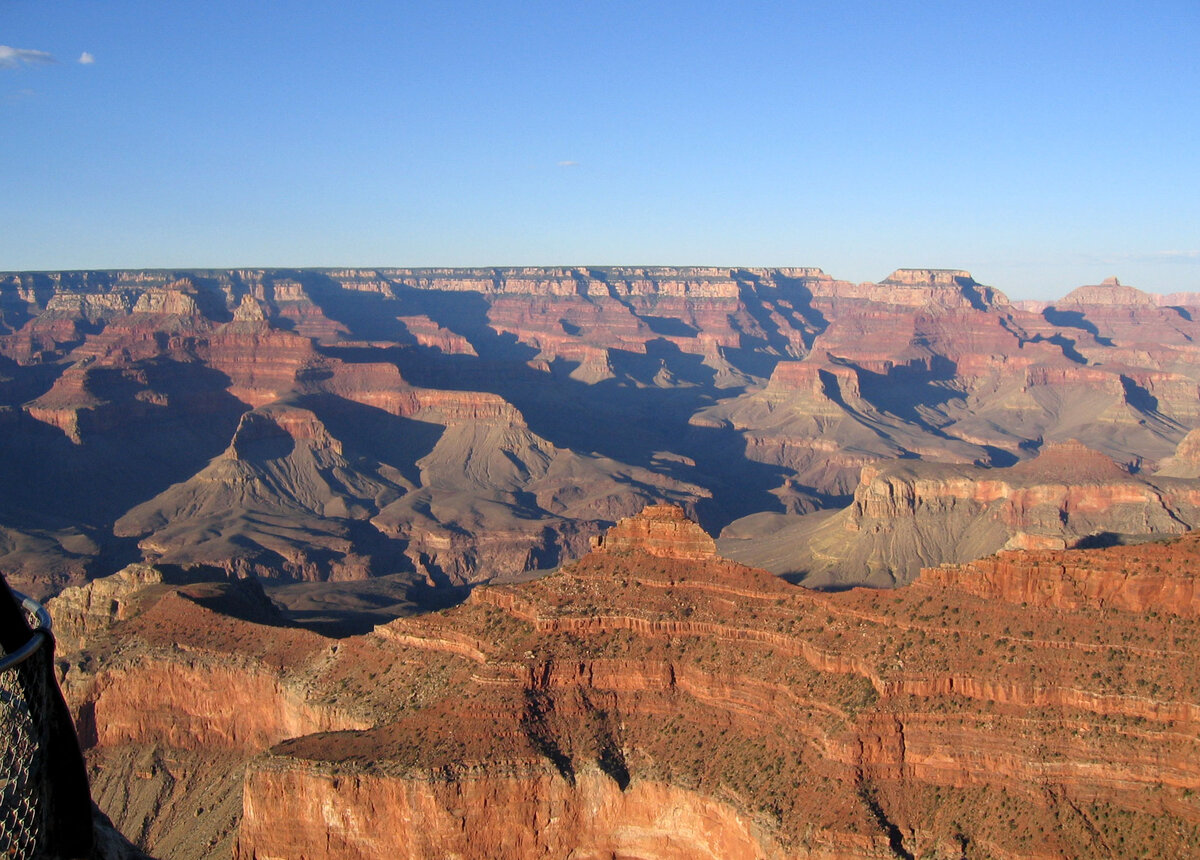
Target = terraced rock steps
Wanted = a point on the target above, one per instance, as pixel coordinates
(666, 706)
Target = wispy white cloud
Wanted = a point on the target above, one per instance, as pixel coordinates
(1174, 255)
(568, 164)
(11, 58)
(86, 58)
(19, 96)
(1117, 259)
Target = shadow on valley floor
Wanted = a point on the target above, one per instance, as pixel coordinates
(333, 609)
(21, 383)
(1076, 320)
(342, 609)
(43, 470)
(628, 418)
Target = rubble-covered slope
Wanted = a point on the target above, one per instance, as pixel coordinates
(908, 514)
(459, 425)
(663, 704)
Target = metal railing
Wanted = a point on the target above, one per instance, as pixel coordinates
(24, 738)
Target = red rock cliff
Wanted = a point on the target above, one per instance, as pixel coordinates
(659, 530)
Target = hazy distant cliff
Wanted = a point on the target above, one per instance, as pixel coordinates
(457, 425)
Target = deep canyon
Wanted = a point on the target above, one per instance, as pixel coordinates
(297, 528)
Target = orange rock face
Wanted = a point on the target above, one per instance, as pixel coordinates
(659, 530)
(199, 707)
(651, 704)
(474, 818)
(773, 722)
(1152, 577)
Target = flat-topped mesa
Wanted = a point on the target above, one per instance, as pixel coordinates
(1071, 462)
(814, 378)
(929, 277)
(792, 273)
(940, 289)
(281, 423)
(661, 530)
(1110, 291)
(692, 282)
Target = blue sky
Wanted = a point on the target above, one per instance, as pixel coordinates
(1041, 145)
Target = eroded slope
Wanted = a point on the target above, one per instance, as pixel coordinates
(663, 704)
(459, 425)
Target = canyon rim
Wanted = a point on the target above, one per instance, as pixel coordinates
(397, 555)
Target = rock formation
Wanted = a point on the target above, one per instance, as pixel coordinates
(1186, 462)
(659, 530)
(906, 515)
(774, 722)
(177, 680)
(459, 425)
(656, 704)
(1156, 577)
(371, 442)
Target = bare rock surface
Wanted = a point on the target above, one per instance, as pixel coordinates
(659, 530)
(654, 704)
(906, 515)
(455, 426)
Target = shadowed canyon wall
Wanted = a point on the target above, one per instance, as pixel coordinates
(454, 426)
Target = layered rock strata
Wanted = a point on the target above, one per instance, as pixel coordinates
(905, 515)
(771, 721)
(658, 705)
(480, 423)
(660, 530)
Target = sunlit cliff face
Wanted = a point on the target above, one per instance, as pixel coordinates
(455, 425)
(659, 704)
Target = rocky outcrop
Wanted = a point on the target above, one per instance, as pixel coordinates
(176, 679)
(1110, 292)
(537, 405)
(1186, 461)
(82, 612)
(906, 515)
(669, 704)
(659, 530)
(472, 818)
(197, 704)
(1150, 577)
(771, 721)
(280, 500)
